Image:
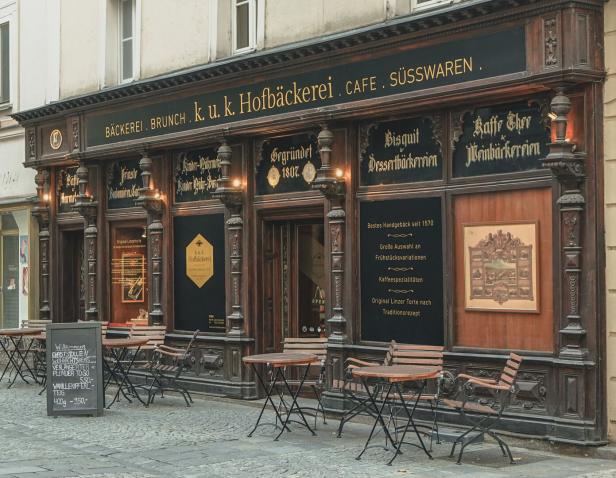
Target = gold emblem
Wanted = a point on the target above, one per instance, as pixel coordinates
(199, 260)
(273, 176)
(309, 172)
(55, 139)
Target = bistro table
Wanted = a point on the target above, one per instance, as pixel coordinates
(278, 362)
(16, 358)
(393, 376)
(118, 368)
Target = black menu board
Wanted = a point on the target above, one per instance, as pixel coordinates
(288, 164)
(401, 151)
(123, 183)
(74, 369)
(68, 188)
(196, 174)
(500, 139)
(199, 272)
(402, 271)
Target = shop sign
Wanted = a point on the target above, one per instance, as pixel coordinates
(288, 164)
(500, 139)
(402, 271)
(199, 260)
(123, 183)
(68, 188)
(55, 139)
(196, 175)
(401, 151)
(412, 69)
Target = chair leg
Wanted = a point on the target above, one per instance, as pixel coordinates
(504, 447)
(464, 445)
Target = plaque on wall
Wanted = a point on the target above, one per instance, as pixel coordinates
(68, 188)
(402, 271)
(401, 151)
(287, 164)
(196, 175)
(199, 272)
(123, 183)
(500, 267)
(500, 139)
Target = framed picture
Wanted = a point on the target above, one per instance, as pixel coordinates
(500, 267)
(133, 277)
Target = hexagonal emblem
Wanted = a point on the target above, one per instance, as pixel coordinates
(199, 260)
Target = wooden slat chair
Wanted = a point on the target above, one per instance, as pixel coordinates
(36, 324)
(316, 381)
(166, 368)
(104, 326)
(428, 355)
(483, 418)
(353, 389)
(156, 337)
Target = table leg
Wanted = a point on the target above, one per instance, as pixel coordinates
(294, 403)
(118, 366)
(125, 374)
(268, 397)
(13, 361)
(379, 416)
(22, 361)
(9, 356)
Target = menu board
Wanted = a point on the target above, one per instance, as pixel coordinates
(74, 369)
(401, 151)
(288, 164)
(500, 139)
(402, 271)
(68, 188)
(196, 174)
(123, 183)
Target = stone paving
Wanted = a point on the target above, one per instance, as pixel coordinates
(209, 440)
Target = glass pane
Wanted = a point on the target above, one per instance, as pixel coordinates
(127, 59)
(311, 280)
(242, 25)
(8, 222)
(10, 281)
(127, 19)
(4, 63)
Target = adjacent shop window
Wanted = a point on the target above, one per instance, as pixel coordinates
(244, 25)
(4, 64)
(127, 39)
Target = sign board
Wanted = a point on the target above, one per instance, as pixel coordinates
(196, 174)
(68, 188)
(123, 183)
(402, 271)
(74, 369)
(407, 69)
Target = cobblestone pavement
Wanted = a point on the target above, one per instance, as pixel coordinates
(209, 440)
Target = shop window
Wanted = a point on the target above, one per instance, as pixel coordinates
(126, 30)
(4, 64)
(244, 25)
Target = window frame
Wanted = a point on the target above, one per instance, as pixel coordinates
(7, 103)
(121, 40)
(252, 26)
(430, 4)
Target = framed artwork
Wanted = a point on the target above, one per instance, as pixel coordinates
(133, 277)
(500, 267)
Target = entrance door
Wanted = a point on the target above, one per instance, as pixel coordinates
(72, 269)
(293, 281)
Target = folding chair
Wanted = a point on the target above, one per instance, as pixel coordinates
(166, 376)
(483, 418)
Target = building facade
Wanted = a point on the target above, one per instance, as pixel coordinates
(433, 175)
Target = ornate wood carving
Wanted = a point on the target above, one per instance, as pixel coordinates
(550, 32)
(31, 146)
(568, 167)
(41, 213)
(75, 135)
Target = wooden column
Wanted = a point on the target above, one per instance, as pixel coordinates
(87, 208)
(149, 198)
(568, 167)
(41, 212)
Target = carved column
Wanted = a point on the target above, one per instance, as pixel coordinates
(568, 167)
(230, 193)
(330, 182)
(149, 198)
(41, 212)
(88, 209)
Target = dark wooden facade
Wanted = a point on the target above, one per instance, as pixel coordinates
(562, 380)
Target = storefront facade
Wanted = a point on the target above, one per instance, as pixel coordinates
(433, 180)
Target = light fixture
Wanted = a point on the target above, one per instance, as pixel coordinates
(236, 183)
(144, 235)
(552, 115)
(46, 197)
(339, 173)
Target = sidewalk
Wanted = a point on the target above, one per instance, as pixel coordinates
(209, 440)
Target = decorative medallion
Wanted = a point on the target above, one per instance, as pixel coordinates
(199, 260)
(55, 139)
(273, 176)
(309, 172)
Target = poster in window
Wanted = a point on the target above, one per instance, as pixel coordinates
(133, 277)
(500, 267)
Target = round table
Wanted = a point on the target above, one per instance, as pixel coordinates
(16, 336)
(118, 368)
(393, 376)
(279, 362)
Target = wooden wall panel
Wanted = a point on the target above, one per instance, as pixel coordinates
(506, 330)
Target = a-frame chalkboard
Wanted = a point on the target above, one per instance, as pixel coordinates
(74, 369)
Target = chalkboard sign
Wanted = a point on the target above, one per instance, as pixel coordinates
(123, 183)
(401, 151)
(288, 164)
(500, 139)
(74, 369)
(402, 271)
(196, 174)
